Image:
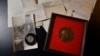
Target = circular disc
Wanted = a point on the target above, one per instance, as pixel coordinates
(66, 34)
(30, 39)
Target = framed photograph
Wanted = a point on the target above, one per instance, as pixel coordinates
(66, 35)
(24, 33)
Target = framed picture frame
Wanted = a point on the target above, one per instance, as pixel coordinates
(66, 35)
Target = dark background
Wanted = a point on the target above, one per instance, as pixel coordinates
(92, 47)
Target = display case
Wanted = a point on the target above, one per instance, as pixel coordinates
(66, 35)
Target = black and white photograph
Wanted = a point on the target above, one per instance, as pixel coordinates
(24, 32)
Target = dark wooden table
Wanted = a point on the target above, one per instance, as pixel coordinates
(92, 38)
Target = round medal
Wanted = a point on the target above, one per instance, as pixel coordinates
(66, 34)
(30, 39)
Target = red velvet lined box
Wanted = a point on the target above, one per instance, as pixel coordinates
(55, 44)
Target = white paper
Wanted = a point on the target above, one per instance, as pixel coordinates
(80, 15)
(18, 20)
(46, 24)
(28, 3)
(9, 17)
(43, 1)
(84, 7)
(38, 24)
(39, 13)
(69, 12)
(14, 8)
(55, 6)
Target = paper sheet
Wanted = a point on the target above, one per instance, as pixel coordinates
(43, 1)
(38, 24)
(28, 3)
(18, 20)
(39, 13)
(55, 6)
(84, 7)
(14, 8)
(46, 24)
(80, 15)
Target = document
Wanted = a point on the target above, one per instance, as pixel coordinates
(84, 7)
(28, 5)
(14, 8)
(55, 6)
(46, 24)
(39, 13)
(43, 1)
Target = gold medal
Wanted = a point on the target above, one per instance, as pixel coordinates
(66, 34)
(30, 39)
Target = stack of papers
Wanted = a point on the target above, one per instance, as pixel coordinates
(43, 9)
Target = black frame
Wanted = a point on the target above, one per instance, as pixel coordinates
(48, 37)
